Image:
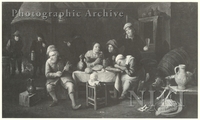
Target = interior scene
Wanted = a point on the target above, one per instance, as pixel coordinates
(99, 60)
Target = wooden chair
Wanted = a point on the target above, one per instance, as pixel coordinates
(93, 95)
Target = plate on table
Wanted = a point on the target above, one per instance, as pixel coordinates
(112, 69)
(97, 67)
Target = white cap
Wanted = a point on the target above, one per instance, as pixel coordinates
(119, 57)
(127, 25)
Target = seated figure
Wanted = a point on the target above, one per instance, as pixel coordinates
(57, 72)
(111, 53)
(93, 57)
(129, 76)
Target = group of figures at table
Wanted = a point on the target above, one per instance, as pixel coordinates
(57, 71)
(127, 64)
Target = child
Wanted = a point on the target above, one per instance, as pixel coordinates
(93, 81)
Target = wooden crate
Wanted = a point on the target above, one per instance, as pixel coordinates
(29, 100)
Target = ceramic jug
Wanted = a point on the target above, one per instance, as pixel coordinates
(30, 86)
(81, 64)
(181, 76)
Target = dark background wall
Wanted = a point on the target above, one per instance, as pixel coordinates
(184, 27)
(91, 29)
(184, 24)
(180, 30)
(7, 18)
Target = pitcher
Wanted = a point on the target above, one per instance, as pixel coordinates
(181, 76)
(30, 86)
(81, 64)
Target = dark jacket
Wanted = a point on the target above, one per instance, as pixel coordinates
(40, 51)
(37, 47)
(78, 47)
(133, 47)
(110, 58)
(15, 48)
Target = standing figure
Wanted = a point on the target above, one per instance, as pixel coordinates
(38, 47)
(77, 46)
(133, 44)
(14, 46)
(58, 75)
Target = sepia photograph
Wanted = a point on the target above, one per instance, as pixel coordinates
(99, 59)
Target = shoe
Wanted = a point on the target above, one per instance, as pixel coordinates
(122, 97)
(144, 108)
(54, 103)
(76, 107)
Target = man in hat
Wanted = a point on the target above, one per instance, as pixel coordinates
(39, 48)
(57, 74)
(133, 44)
(110, 53)
(14, 46)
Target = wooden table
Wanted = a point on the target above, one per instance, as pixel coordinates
(106, 77)
(192, 90)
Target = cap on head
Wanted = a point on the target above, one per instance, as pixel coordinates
(112, 42)
(51, 48)
(119, 57)
(127, 25)
(16, 33)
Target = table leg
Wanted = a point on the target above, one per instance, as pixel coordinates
(106, 96)
(181, 98)
(87, 94)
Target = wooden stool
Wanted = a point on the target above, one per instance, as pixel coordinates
(92, 95)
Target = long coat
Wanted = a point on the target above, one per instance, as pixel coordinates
(40, 52)
(15, 48)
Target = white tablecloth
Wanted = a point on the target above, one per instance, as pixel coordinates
(103, 76)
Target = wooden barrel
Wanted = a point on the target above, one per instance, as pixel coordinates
(5, 67)
(172, 59)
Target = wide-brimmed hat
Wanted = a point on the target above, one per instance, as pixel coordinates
(112, 42)
(16, 33)
(127, 25)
